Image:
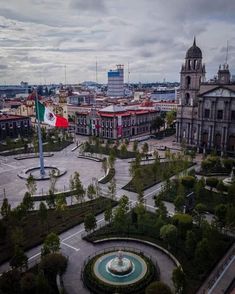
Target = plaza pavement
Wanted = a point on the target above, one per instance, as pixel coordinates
(72, 244)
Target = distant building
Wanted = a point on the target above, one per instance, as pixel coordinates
(206, 111)
(116, 82)
(163, 93)
(115, 122)
(12, 90)
(81, 98)
(13, 126)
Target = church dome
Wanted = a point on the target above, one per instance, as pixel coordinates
(194, 51)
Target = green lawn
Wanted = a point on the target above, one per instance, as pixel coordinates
(106, 151)
(149, 179)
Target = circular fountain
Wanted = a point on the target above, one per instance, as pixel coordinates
(120, 265)
(230, 180)
(117, 270)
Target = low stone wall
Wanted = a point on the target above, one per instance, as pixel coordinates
(177, 263)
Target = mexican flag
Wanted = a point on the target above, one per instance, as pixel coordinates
(48, 117)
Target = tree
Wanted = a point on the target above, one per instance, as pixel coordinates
(120, 218)
(123, 150)
(190, 243)
(183, 222)
(42, 212)
(156, 167)
(60, 204)
(105, 165)
(31, 184)
(212, 182)
(77, 186)
(111, 158)
(135, 146)
(5, 208)
(53, 264)
(198, 213)
(112, 188)
(220, 215)
(28, 201)
(202, 255)
(42, 284)
(170, 118)
(140, 212)
(53, 179)
(161, 209)
(138, 184)
(188, 182)
(145, 148)
(178, 278)
(179, 203)
(28, 283)
(90, 222)
(91, 192)
(51, 244)
(157, 123)
(108, 214)
(199, 188)
(17, 237)
(158, 288)
(19, 259)
(169, 234)
(50, 200)
(10, 282)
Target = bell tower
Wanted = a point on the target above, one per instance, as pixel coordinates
(191, 75)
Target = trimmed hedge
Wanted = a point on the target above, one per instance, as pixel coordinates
(108, 177)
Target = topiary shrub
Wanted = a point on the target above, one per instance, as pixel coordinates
(188, 181)
(53, 264)
(28, 283)
(212, 182)
(221, 186)
(158, 288)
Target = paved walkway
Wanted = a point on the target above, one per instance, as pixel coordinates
(72, 244)
(74, 285)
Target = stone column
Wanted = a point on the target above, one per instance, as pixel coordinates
(177, 131)
(222, 141)
(188, 135)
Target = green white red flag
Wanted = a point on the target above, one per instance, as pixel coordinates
(48, 117)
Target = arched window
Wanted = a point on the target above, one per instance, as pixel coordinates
(188, 82)
(194, 64)
(187, 99)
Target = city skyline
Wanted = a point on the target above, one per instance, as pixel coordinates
(39, 37)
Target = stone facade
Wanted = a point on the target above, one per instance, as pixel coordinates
(114, 122)
(206, 110)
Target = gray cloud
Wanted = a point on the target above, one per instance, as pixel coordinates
(38, 37)
(89, 5)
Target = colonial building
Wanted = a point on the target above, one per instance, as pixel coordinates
(206, 110)
(115, 122)
(13, 126)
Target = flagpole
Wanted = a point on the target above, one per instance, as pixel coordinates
(42, 169)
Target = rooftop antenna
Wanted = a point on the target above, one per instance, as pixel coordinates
(128, 76)
(65, 75)
(226, 59)
(96, 71)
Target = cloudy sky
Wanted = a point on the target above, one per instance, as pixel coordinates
(39, 37)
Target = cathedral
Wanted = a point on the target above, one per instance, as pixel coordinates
(206, 111)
